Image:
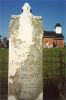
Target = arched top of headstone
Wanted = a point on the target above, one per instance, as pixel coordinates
(26, 8)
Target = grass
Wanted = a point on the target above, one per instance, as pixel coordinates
(54, 62)
(51, 65)
(53, 51)
(3, 73)
(3, 61)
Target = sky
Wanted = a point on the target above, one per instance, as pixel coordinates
(52, 11)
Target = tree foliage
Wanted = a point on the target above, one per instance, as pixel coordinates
(4, 42)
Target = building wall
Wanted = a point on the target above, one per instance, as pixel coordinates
(48, 41)
(60, 43)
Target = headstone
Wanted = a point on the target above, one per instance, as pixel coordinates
(25, 75)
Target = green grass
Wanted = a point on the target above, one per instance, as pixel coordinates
(53, 51)
(54, 70)
(3, 62)
(54, 60)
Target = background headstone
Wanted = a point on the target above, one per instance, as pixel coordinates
(25, 77)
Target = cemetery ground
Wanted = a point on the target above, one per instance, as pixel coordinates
(3, 73)
(54, 69)
(54, 73)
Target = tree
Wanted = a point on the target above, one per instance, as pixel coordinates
(64, 44)
(1, 44)
(5, 42)
(0, 36)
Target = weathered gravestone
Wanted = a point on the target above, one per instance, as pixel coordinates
(25, 76)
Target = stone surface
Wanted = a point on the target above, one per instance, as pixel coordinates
(40, 97)
(12, 97)
(25, 76)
